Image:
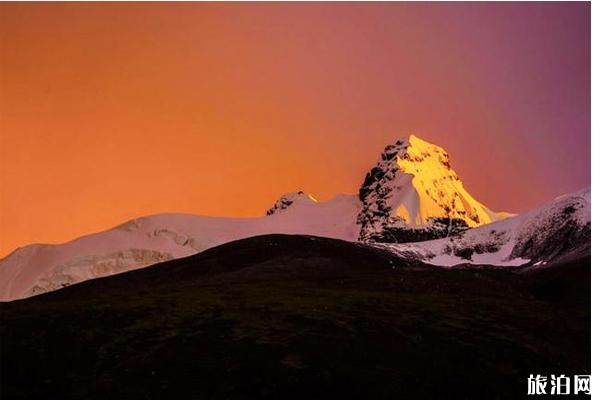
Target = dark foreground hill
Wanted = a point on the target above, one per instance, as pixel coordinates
(297, 317)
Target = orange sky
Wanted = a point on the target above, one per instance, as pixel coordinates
(111, 111)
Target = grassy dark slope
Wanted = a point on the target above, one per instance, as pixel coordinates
(296, 317)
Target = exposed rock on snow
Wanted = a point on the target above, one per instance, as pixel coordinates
(288, 199)
(556, 231)
(96, 266)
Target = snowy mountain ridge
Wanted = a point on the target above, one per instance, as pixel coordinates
(148, 240)
(557, 231)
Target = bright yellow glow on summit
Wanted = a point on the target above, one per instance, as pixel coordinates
(439, 191)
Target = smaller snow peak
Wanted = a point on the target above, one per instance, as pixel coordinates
(288, 199)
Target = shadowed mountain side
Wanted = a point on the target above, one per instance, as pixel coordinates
(298, 317)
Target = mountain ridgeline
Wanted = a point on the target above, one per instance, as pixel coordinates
(411, 202)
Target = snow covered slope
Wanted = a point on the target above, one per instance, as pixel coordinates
(144, 241)
(554, 232)
(412, 194)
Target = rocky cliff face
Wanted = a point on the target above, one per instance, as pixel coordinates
(560, 230)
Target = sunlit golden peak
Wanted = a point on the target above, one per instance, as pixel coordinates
(413, 185)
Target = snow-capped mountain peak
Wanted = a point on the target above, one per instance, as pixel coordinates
(289, 199)
(413, 194)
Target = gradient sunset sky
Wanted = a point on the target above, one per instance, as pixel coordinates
(113, 111)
